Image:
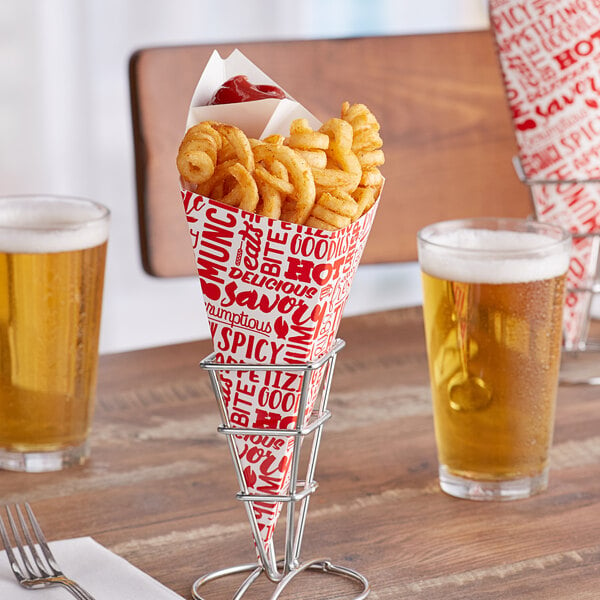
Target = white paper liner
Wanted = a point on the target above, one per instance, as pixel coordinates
(256, 119)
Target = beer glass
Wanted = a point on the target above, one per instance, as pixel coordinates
(493, 293)
(52, 257)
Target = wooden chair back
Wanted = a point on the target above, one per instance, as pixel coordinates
(445, 123)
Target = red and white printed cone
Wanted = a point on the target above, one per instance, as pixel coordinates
(549, 53)
(274, 294)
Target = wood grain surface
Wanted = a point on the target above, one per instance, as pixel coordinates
(159, 489)
(447, 131)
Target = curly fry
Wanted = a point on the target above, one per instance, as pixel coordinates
(271, 190)
(239, 143)
(337, 209)
(276, 139)
(319, 224)
(310, 144)
(300, 175)
(302, 137)
(217, 181)
(197, 156)
(366, 139)
(365, 198)
(283, 186)
(371, 178)
(270, 201)
(325, 179)
(247, 185)
(348, 172)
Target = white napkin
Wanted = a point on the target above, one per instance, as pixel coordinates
(101, 572)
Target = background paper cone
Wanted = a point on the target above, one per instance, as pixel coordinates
(549, 54)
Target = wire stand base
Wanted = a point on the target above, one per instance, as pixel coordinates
(297, 492)
(256, 570)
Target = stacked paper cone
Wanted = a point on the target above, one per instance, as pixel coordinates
(549, 53)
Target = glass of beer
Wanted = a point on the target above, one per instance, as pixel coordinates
(493, 292)
(52, 257)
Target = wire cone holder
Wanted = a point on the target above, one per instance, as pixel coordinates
(580, 363)
(298, 492)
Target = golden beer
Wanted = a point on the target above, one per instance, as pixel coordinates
(493, 325)
(52, 258)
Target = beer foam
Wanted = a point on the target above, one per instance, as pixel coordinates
(489, 256)
(61, 225)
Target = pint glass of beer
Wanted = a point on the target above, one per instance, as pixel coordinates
(493, 292)
(52, 256)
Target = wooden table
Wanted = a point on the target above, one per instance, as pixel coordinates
(160, 489)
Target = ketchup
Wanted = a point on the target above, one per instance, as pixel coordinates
(239, 89)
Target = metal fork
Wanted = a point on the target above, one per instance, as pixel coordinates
(44, 573)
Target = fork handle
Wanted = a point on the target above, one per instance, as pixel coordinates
(74, 588)
(78, 591)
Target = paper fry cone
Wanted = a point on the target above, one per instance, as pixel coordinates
(274, 293)
(549, 53)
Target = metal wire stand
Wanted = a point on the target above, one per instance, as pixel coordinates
(580, 363)
(298, 492)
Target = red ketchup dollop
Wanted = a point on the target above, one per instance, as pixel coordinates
(239, 89)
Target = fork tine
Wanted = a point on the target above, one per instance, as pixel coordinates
(31, 545)
(31, 572)
(12, 559)
(41, 540)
